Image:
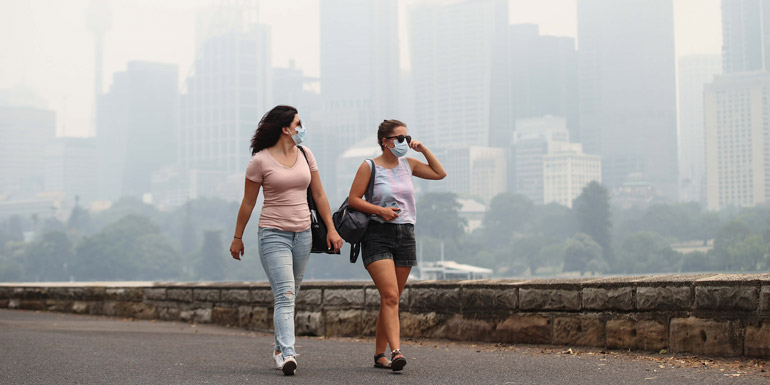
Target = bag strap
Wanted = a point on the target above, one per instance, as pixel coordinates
(370, 189)
(310, 201)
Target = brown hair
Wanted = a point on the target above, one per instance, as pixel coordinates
(386, 128)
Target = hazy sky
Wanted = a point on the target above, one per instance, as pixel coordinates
(45, 45)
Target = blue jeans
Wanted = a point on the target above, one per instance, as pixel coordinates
(284, 255)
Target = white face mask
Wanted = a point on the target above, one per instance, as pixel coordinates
(400, 148)
(299, 137)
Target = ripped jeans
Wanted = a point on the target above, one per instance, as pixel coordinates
(284, 255)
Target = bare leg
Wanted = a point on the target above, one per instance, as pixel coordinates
(383, 273)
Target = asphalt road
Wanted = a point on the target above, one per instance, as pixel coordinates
(54, 348)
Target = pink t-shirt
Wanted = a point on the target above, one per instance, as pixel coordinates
(285, 190)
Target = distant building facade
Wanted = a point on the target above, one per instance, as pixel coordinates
(695, 71)
(628, 90)
(24, 134)
(745, 35)
(738, 140)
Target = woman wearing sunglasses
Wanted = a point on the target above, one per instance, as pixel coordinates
(389, 247)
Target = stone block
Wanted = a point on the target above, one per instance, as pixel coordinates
(462, 329)
(705, 337)
(206, 295)
(263, 296)
(93, 293)
(757, 341)
(236, 296)
(4, 303)
(14, 303)
(492, 299)
(579, 331)
(343, 323)
(58, 305)
(226, 316)
(664, 298)
(169, 313)
(31, 293)
(524, 329)
(196, 315)
(620, 298)
(32, 304)
(6, 293)
(309, 323)
(549, 299)
(157, 294)
(423, 325)
(142, 310)
(436, 299)
(95, 307)
(309, 299)
(181, 295)
(372, 297)
(764, 300)
(80, 307)
(735, 298)
(343, 298)
(369, 323)
(66, 293)
(636, 335)
(255, 318)
(131, 294)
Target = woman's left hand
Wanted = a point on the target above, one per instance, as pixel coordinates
(417, 146)
(333, 240)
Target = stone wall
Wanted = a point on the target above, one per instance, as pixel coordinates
(707, 314)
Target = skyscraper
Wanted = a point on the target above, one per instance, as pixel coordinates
(737, 141)
(745, 35)
(459, 64)
(543, 74)
(136, 128)
(24, 134)
(359, 78)
(695, 71)
(627, 89)
(226, 95)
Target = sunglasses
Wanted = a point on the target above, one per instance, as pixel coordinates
(401, 138)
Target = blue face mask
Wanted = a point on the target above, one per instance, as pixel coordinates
(299, 137)
(400, 148)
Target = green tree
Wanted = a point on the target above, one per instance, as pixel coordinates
(132, 248)
(582, 254)
(592, 209)
(648, 252)
(49, 258)
(507, 214)
(440, 216)
(211, 258)
(555, 221)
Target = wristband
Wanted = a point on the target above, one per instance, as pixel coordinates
(236, 237)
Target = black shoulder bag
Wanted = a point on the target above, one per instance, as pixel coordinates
(317, 226)
(352, 224)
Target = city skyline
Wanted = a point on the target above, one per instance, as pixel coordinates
(63, 81)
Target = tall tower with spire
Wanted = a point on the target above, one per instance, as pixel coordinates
(99, 20)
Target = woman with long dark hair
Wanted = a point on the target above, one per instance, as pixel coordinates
(278, 167)
(389, 249)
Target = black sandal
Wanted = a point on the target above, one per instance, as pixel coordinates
(377, 363)
(397, 360)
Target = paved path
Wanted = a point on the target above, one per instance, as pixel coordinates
(54, 348)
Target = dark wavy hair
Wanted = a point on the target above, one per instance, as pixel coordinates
(269, 128)
(386, 129)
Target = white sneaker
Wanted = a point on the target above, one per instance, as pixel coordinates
(278, 360)
(289, 366)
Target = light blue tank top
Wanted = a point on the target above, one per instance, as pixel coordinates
(394, 188)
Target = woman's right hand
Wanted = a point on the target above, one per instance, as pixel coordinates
(236, 248)
(389, 213)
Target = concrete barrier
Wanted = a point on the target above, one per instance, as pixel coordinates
(706, 314)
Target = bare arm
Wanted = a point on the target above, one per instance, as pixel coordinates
(358, 189)
(433, 170)
(333, 239)
(250, 194)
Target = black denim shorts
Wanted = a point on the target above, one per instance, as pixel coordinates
(389, 241)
